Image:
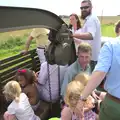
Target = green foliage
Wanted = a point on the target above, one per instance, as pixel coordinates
(14, 45)
(108, 30)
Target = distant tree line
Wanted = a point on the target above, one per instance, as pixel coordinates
(64, 16)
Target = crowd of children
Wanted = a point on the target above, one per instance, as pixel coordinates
(24, 98)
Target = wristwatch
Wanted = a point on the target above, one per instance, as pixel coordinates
(82, 98)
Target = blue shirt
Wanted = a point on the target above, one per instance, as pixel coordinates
(71, 72)
(109, 62)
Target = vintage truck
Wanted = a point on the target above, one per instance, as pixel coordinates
(18, 18)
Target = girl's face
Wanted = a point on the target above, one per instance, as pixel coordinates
(22, 81)
(73, 100)
(73, 20)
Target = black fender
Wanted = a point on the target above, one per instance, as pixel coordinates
(16, 18)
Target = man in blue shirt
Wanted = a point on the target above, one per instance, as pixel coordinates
(108, 65)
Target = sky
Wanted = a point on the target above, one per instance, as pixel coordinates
(66, 7)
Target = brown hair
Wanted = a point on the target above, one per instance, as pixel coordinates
(27, 74)
(84, 47)
(117, 26)
(88, 1)
(78, 21)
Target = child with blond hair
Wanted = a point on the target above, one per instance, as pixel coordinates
(20, 108)
(82, 78)
(79, 82)
(72, 96)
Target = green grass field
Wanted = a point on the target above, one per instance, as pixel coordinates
(108, 30)
(12, 43)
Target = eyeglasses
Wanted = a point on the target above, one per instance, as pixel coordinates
(85, 7)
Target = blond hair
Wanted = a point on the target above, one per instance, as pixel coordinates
(73, 91)
(84, 47)
(82, 78)
(12, 90)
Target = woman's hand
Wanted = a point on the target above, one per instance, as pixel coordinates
(37, 73)
(36, 76)
(77, 41)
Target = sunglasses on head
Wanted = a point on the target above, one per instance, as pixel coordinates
(85, 7)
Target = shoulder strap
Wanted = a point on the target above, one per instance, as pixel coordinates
(59, 80)
(48, 71)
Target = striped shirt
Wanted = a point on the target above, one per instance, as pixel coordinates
(43, 88)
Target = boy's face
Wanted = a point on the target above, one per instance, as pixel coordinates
(22, 81)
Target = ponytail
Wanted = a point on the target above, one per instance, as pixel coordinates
(17, 99)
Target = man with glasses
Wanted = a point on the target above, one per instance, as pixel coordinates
(91, 31)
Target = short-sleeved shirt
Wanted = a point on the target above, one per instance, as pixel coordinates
(43, 88)
(22, 109)
(71, 72)
(92, 25)
(109, 62)
(40, 34)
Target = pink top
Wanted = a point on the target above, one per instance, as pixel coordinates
(90, 115)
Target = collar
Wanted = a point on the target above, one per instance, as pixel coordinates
(118, 37)
(81, 69)
(87, 18)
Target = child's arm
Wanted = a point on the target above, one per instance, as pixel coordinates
(66, 114)
(11, 117)
(8, 116)
(10, 113)
(43, 75)
(30, 92)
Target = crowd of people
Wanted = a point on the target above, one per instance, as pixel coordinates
(78, 82)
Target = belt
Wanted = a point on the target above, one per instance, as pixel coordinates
(113, 98)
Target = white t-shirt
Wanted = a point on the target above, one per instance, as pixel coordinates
(92, 25)
(22, 109)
